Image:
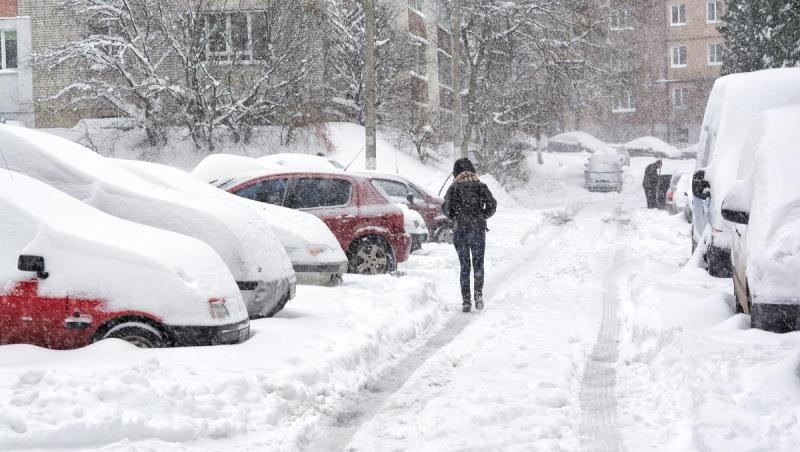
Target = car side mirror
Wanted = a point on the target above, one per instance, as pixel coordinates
(735, 216)
(32, 264)
(410, 198)
(701, 188)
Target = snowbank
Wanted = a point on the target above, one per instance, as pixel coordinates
(93, 255)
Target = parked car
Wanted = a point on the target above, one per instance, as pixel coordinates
(603, 173)
(763, 206)
(415, 227)
(679, 198)
(401, 190)
(733, 105)
(314, 251)
(71, 275)
(369, 228)
(652, 147)
(246, 244)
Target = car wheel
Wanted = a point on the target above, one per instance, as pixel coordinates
(444, 234)
(139, 334)
(370, 256)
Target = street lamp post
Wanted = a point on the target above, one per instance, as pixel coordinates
(369, 81)
(459, 144)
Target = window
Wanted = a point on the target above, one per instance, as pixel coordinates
(678, 15)
(679, 56)
(241, 36)
(269, 191)
(445, 69)
(420, 58)
(312, 193)
(714, 54)
(621, 20)
(416, 5)
(418, 196)
(712, 12)
(679, 97)
(623, 102)
(443, 13)
(8, 49)
(393, 189)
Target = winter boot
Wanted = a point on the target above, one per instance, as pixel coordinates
(466, 305)
(479, 301)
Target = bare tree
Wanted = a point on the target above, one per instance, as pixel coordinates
(422, 127)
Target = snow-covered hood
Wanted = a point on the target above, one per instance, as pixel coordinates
(237, 234)
(305, 238)
(90, 254)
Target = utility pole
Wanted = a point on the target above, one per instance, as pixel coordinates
(369, 81)
(459, 144)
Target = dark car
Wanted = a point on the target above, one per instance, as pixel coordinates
(369, 228)
(402, 190)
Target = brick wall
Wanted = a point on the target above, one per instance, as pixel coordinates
(8, 8)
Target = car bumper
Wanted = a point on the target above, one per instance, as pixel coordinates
(265, 298)
(777, 318)
(189, 336)
(603, 187)
(328, 274)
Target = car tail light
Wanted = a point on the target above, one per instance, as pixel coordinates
(397, 222)
(670, 195)
(217, 308)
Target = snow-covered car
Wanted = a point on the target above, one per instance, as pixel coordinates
(577, 141)
(734, 103)
(301, 162)
(246, 244)
(603, 172)
(315, 254)
(71, 275)
(415, 227)
(764, 208)
(679, 198)
(652, 147)
(401, 190)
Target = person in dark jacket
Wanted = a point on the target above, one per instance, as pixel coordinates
(650, 183)
(469, 202)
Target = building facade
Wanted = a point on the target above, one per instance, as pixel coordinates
(675, 58)
(16, 78)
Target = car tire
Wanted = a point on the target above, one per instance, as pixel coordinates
(718, 267)
(370, 256)
(139, 334)
(444, 234)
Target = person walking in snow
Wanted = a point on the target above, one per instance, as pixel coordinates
(650, 183)
(469, 202)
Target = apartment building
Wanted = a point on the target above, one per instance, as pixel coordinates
(16, 84)
(675, 58)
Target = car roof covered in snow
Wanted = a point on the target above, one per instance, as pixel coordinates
(654, 145)
(391, 176)
(301, 162)
(91, 254)
(583, 139)
(238, 234)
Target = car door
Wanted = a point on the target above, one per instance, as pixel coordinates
(15, 316)
(329, 198)
(35, 319)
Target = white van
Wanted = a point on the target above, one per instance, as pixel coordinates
(733, 105)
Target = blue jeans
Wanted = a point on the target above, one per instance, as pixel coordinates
(470, 245)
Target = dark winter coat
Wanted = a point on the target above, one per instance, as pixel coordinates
(468, 201)
(650, 181)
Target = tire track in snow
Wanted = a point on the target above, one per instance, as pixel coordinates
(599, 426)
(373, 397)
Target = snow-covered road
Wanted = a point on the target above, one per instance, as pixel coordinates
(595, 337)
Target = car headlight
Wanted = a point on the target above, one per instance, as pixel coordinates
(217, 308)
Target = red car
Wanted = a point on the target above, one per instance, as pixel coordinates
(368, 227)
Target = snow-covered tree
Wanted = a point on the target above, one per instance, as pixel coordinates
(760, 34)
(119, 64)
(344, 61)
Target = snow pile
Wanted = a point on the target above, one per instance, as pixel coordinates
(92, 255)
(413, 221)
(236, 233)
(653, 146)
(306, 238)
(582, 140)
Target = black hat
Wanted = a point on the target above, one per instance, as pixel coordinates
(462, 165)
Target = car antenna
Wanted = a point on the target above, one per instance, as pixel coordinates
(5, 162)
(354, 159)
(445, 183)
